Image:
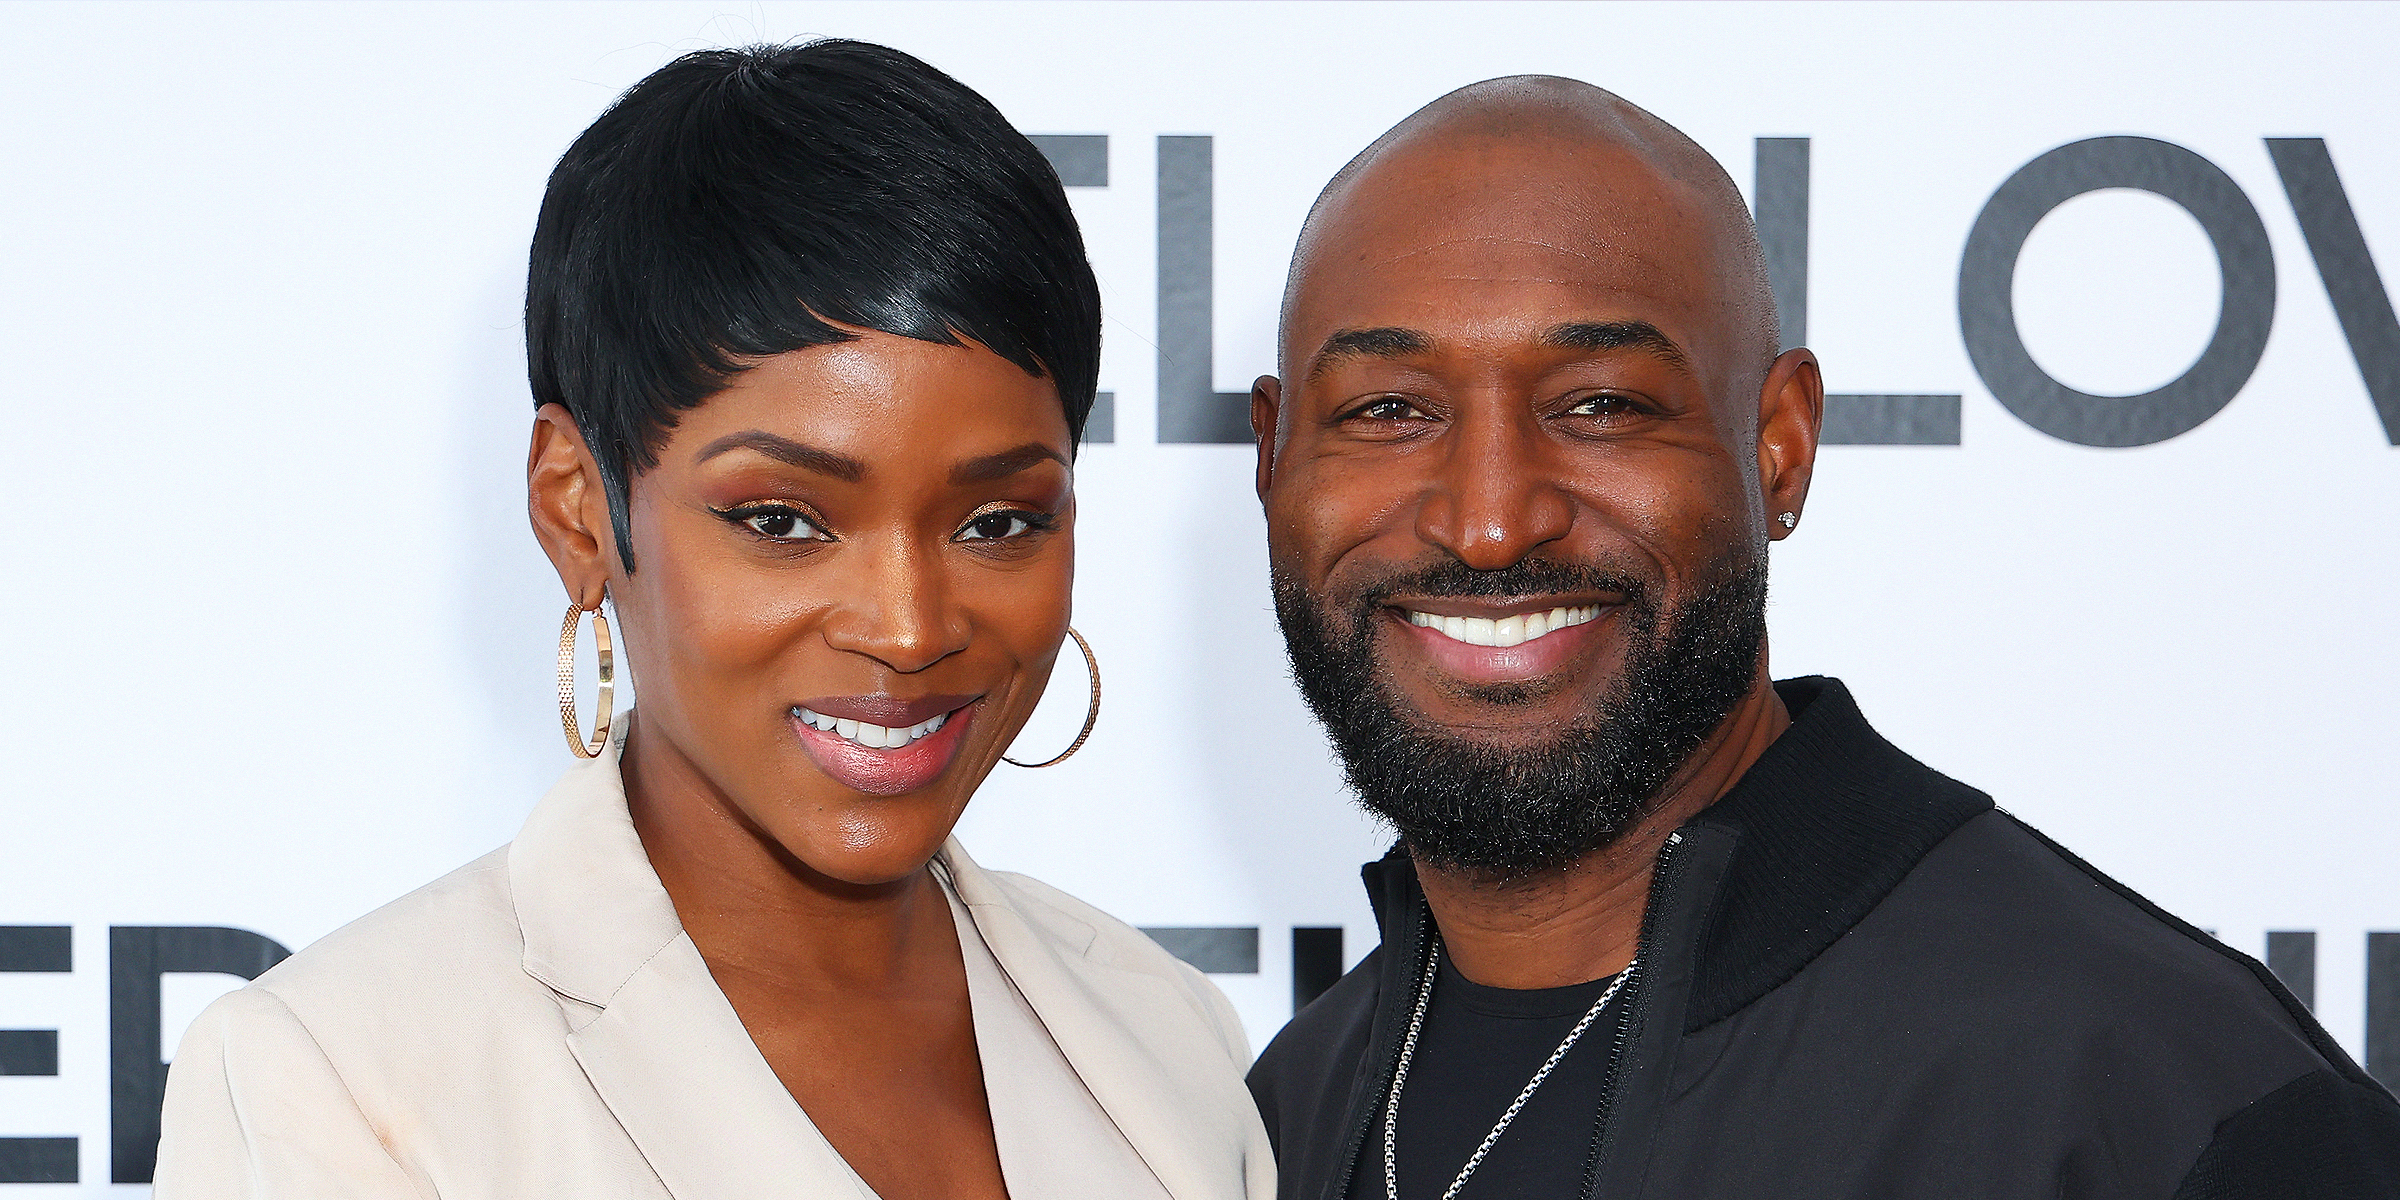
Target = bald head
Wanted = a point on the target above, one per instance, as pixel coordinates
(1530, 441)
(1563, 164)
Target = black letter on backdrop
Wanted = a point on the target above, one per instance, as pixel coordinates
(1987, 277)
(1781, 210)
(1214, 949)
(1081, 160)
(137, 956)
(1782, 215)
(2292, 955)
(1190, 408)
(49, 949)
(2351, 281)
(1316, 962)
(2383, 1008)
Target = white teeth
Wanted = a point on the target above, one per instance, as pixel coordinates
(872, 736)
(1505, 631)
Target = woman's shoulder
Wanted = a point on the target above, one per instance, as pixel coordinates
(412, 1042)
(1063, 920)
(1091, 935)
(405, 978)
(456, 922)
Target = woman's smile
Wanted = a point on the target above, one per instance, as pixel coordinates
(883, 745)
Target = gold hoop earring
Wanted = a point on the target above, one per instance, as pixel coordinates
(1090, 715)
(605, 707)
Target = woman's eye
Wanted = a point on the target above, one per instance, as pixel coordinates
(782, 524)
(993, 526)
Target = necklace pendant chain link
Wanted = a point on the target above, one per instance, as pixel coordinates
(1408, 1053)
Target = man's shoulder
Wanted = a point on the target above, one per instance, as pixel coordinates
(1312, 1060)
(2006, 995)
(1998, 928)
(2035, 911)
(1330, 1026)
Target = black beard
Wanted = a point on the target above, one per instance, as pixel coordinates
(1510, 812)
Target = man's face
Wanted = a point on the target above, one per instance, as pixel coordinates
(1513, 492)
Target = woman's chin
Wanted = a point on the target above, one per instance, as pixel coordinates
(872, 853)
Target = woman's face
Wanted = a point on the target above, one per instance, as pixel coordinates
(853, 573)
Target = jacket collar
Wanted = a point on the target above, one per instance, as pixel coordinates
(1823, 826)
(1174, 1091)
(653, 1033)
(591, 909)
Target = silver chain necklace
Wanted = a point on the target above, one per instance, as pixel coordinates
(1408, 1052)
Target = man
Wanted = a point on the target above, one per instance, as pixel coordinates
(1656, 925)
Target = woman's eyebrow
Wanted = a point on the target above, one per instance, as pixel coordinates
(785, 450)
(989, 467)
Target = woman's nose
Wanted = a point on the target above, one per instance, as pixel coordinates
(897, 609)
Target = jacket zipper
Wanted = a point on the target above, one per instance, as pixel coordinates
(1629, 1020)
(1388, 1056)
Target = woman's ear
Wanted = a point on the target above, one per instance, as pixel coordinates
(569, 506)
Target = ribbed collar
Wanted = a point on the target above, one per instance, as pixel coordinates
(1825, 824)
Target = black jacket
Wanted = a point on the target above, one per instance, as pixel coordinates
(1859, 978)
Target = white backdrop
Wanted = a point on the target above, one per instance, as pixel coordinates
(279, 641)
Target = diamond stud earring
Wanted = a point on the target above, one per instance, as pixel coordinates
(1789, 519)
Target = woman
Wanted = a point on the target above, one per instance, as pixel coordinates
(813, 339)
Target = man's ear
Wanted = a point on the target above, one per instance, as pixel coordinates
(1791, 414)
(1266, 401)
(569, 507)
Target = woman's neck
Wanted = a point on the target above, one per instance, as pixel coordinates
(756, 910)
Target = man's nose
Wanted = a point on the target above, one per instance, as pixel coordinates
(1494, 497)
(898, 608)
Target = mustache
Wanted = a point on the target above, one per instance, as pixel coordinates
(1526, 577)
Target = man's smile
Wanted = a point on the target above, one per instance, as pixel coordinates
(1503, 632)
(1480, 640)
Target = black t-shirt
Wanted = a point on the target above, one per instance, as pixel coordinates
(1478, 1047)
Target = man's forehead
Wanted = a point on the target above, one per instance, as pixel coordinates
(1389, 269)
(1465, 282)
(1598, 216)
(1467, 185)
(1520, 229)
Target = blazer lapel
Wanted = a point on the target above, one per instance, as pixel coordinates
(1162, 1090)
(655, 1035)
(674, 1064)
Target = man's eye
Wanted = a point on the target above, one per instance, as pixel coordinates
(1602, 405)
(780, 524)
(1390, 408)
(994, 526)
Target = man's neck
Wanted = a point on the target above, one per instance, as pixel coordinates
(1582, 921)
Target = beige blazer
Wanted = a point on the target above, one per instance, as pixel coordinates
(537, 1024)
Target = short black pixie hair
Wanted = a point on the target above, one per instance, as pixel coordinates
(737, 204)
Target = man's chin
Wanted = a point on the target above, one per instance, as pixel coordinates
(1513, 734)
(1515, 715)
